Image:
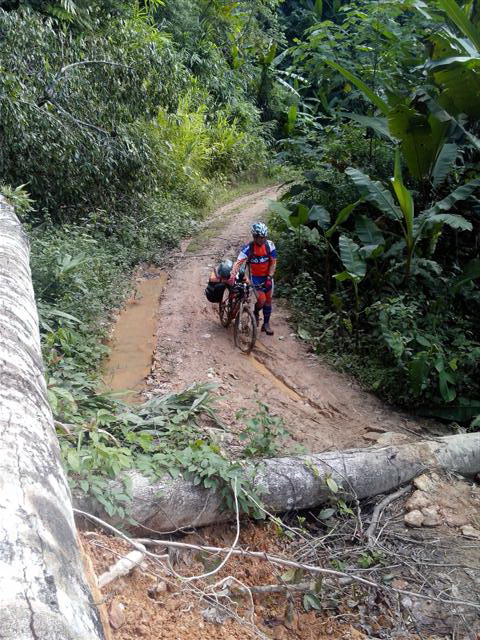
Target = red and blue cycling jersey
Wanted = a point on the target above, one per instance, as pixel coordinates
(259, 257)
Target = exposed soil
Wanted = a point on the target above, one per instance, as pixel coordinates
(322, 409)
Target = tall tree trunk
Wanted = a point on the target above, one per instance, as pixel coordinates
(299, 482)
(43, 592)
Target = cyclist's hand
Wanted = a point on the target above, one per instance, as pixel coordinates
(268, 283)
(231, 281)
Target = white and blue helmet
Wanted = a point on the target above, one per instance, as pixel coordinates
(259, 229)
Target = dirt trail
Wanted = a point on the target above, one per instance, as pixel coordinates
(321, 408)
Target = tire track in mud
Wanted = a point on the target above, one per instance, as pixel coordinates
(321, 409)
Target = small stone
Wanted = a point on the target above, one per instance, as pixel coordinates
(431, 517)
(398, 583)
(423, 483)
(418, 500)
(280, 633)
(116, 614)
(281, 337)
(470, 532)
(392, 438)
(370, 436)
(455, 519)
(414, 518)
(207, 336)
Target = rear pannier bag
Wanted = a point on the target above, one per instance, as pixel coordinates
(214, 291)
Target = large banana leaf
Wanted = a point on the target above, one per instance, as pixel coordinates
(460, 18)
(377, 101)
(343, 215)
(374, 191)
(462, 193)
(351, 258)
(404, 198)
(320, 215)
(422, 138)
(379, 125)
(368, 232)
(444, 164)
(460, 87)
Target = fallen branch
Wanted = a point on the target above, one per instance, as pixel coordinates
(122, 567)
(378, 510)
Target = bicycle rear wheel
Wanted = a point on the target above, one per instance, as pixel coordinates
(224, 309)
(245, 330)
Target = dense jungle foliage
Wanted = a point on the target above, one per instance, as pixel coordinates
(380, 233)
(120, 123)
(119, 120)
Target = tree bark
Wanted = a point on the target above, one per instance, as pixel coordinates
(43, 592)
(295, 483)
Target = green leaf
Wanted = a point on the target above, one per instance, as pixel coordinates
(451, 220)
(459, 194)
(325, 514)
(289, 576)
(422, 137)
(281, 210)
(311, 601)
(368, 231)
(444, 164)
(319, 215)
(419, 370)
(376, 100)
(331, 484)
(404, 198)
(304, 334)
(351, 258)
(375, 192)
(444, 380)
(471, 271)
(379, 125)
(74, 460)
(343, 215)
(461, 20)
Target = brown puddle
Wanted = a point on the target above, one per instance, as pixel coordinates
(134, 336)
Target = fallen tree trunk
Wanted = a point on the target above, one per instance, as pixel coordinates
(43, 593)
(296, 483)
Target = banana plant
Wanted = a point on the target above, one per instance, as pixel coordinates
(402, 209)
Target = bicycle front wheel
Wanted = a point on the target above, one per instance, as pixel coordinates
(245, 330)
(224, 309)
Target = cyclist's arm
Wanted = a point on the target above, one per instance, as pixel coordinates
(273, 259)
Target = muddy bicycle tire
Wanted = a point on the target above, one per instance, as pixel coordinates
(245, 330)
(224, 310)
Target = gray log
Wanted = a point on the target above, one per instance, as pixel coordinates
(297, 482)
(43, 592)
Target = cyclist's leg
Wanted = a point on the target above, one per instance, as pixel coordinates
(267, 311)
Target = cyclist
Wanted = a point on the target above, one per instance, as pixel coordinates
(261, 256)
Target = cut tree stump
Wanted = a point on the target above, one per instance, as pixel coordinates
(44, 594)
(295, 483)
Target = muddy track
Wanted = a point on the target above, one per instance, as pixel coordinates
(321, 408)
(171, 317)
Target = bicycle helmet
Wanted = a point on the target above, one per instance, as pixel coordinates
(259, 229)
(225, 269)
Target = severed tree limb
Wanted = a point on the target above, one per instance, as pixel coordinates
(287, 484)
(122, 567)
(378, 510)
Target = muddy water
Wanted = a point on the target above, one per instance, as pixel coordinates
(133, 340)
